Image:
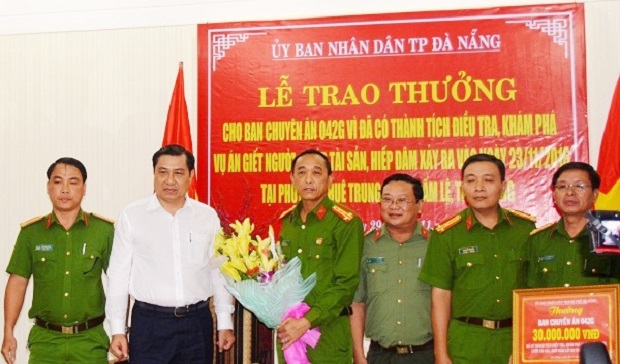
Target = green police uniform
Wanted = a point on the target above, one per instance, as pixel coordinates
(66, 266)
(557, 260)
(398, 305)
(329, 243)
(481, 267)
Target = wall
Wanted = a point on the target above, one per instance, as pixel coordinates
(93, 80)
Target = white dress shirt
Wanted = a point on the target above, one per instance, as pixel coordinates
(165, 260)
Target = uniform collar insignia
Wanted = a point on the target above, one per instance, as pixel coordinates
(469, 222)
(320, 213)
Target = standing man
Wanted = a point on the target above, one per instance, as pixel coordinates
(474, 261)
(65, 252)
(391, 304)
(328, 238)
(161, 257)
(559, 253)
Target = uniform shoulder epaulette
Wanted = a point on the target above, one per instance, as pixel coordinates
(448, 223)
(287, 211)
(544, 227)
(371, 231)
(343, 212)
(523, 215)
(106, 219)
(31, 221)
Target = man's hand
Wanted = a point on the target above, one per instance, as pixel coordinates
(225, 340)
(9, 346)
(291, 329)
(119, 346)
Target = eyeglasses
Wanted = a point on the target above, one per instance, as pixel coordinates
(400, 202)
(580, 188)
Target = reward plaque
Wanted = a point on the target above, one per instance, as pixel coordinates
(551, 324)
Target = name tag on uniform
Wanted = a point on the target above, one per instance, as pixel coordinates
(546, 258)
(44, 248)
(375, 260)
(468, 250)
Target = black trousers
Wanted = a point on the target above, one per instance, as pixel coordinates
(164, 338)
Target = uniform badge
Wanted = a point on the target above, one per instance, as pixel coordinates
(320, 213)
(44, 248)
(546, 258)
(468, 250)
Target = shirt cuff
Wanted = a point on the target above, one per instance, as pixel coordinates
(117, 327)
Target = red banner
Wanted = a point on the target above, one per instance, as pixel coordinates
(410, 92)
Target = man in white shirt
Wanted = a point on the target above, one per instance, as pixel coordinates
(161, 257)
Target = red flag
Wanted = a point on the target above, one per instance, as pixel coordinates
(609, 158)
(177, 124)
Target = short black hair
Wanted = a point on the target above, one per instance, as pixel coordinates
(315, 152)
(595, 178)
(416, 184)
(174, 149)
(482, 157)
(71, 162)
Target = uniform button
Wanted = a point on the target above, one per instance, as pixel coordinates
(569, 263)
(92, 257)
(571, 241)
(545, 270)
(496, 277)
(65, 316)
(398, 322)
(469, 264)
(300, 250)
(66, 294)
(67, 272)
(67, 233)
(400, 281)
(566, 285)
(399, 300)
(499, 301)
(400, 262)
(593, 270)
(372, 270)
(42, 259)
(494, 255)
(400, 342)
(68, 253)
(303, 227)
(317, 256)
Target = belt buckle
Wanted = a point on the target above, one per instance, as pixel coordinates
(67, 329)
(402, 349)
(181, 311)
(489, 324)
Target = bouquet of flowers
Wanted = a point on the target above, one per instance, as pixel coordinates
(260, 278)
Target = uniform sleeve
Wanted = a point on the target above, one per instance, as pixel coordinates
(118, 275)
(360, 293)
(21, 259)
(107, 249)
(532, 260)
(346, 264)
(437, 270)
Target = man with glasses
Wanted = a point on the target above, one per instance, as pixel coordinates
(391, 305)
(560, 253)
(474, 261)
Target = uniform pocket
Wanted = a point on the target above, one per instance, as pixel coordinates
(44, 266)
(471, 272)
(91, 265)
(376, 277)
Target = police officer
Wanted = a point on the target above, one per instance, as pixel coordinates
(391, 305)
(560, 251)
(327, 237)
(474, 261)
(65, 252)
